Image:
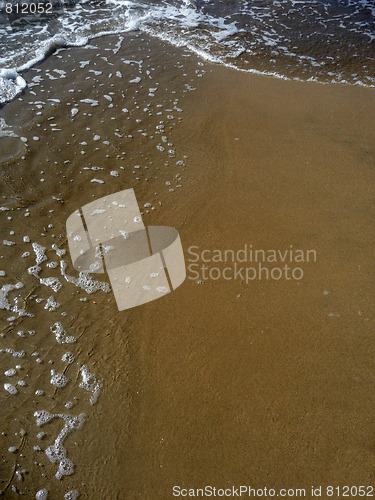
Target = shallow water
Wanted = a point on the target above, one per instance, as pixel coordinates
(92, 121)
(320, 40)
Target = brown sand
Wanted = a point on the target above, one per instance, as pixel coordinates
(264, 389)
(269, 383)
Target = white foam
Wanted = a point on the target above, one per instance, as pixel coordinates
(58, 379)
(15, 354)
(52, 265)
(11, 84)
(57, 452)
(17, 308)
(84, 281)
(34, 271)
(93, 102)
(98, 211)
(95, 267)
(68, 357)
(124, 234)
(41, 494)
(60, 334)
(59, 251)
(90, 383)
(11, 389)
(5, 289)
(39, 251)
(71, 495)
(51, 304)
(10, 373)
(51, 282)
(42, 417)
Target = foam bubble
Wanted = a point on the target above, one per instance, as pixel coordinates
(51, 282)
(58, 379)
(124, 234)
(11, 389)
(52, 265)
(71, 495)
(10, 373)
(84, 281)
(60, 334)
(42, 417)
(98, 211)
(34, 271)
(91, 101)
(59, 251)
(11, 84)
(39, 251)
(57, 452)
(41, 494)
(90, 383)
(68, 357)
(51, 304)
(5, 289)
(16, 354)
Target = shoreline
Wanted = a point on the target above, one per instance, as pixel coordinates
(198, 53)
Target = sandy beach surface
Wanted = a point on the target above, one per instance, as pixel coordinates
(223, 382)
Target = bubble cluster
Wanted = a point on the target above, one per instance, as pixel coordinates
(57, 452)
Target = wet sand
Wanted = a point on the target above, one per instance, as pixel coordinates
(220, 383)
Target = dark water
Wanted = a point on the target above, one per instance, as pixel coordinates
(320, 40)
